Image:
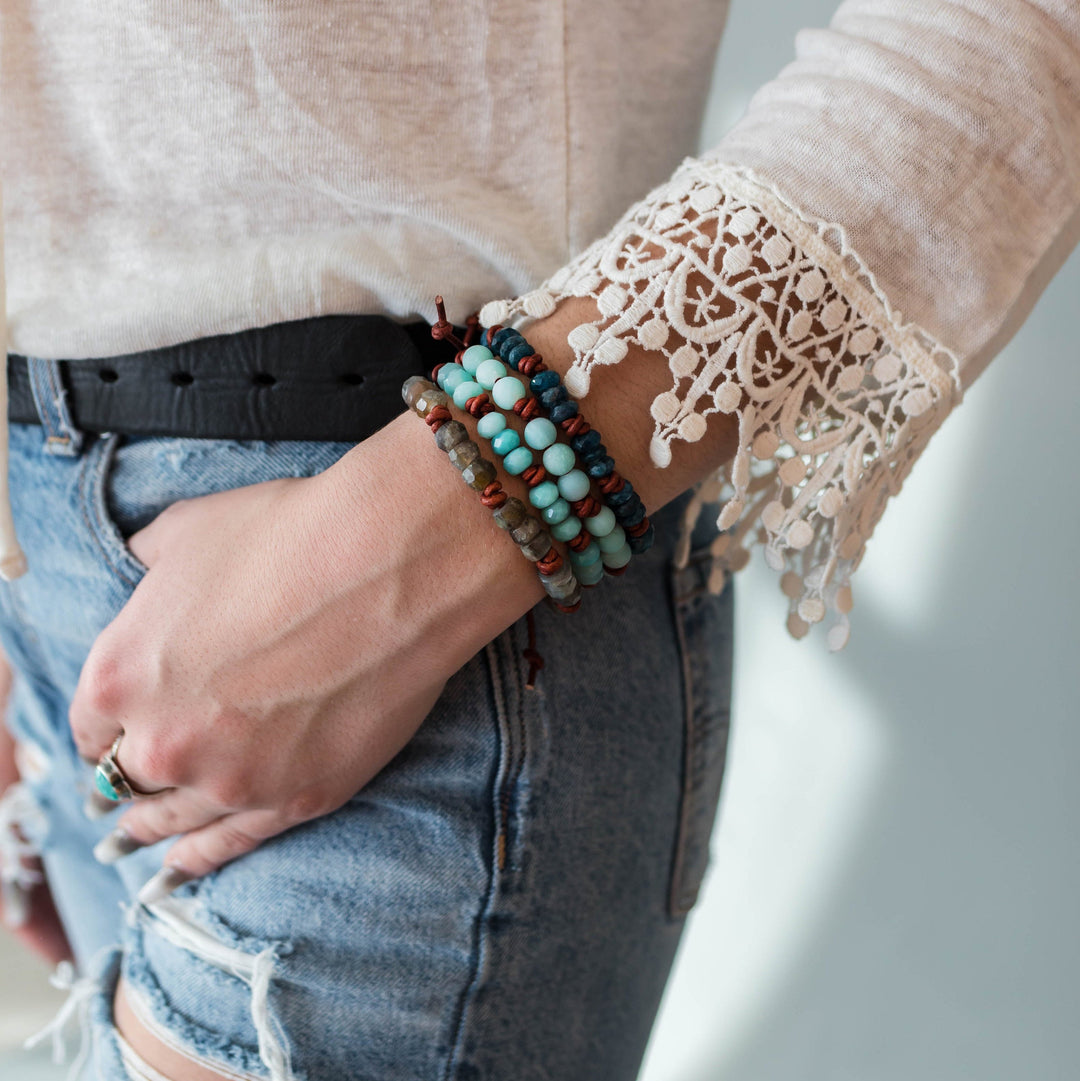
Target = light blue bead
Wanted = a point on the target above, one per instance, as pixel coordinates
(559, 458)
(490, 424)
(574, 485)
(617, 559)
(489, 372)
(474, 356)
(589, 575)
(559, 511)
(517, 461)
(451, 376)
(613, 541)
(587, 556)
(540, 433)
(508, 391)
(567, 529)
(601, 524)
(464, 391)
(506, 441)
(544, 494)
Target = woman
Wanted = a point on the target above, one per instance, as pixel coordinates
(449, 965)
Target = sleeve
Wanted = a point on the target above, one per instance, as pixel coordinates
(840, 267)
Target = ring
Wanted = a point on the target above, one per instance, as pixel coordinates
(109, 778)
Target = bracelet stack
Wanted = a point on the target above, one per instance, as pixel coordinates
(601, 535)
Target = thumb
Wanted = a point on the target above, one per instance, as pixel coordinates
(146, 544)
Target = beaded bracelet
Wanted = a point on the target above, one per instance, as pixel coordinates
(481, 385)
(555, 400)
(510, 514)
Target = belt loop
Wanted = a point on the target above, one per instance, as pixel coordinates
(50, 398)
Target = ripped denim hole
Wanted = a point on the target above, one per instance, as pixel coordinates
(80, 989)
(20, 818)
(173, 919)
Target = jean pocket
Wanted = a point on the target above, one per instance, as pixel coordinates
(132, 479)
(704, 627)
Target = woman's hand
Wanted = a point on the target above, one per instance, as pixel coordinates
(288, 640)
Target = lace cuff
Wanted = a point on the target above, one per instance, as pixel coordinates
(766, 314)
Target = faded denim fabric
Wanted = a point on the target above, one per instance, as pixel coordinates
(502, 902)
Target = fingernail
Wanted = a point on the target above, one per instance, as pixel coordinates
(162, 884)
(115, 846)
(97, 806)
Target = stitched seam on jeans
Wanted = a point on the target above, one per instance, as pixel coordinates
(88, 487)
(480, 925)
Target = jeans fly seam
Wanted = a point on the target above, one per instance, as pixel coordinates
(480, 925)
(89, 485)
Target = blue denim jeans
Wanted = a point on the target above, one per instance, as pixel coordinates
(503, 901)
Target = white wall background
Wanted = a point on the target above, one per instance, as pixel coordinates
(895, 876)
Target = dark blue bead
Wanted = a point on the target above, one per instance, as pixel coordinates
(632, 518)
(592, 453)
(562, 411)
(643, 543)
(602, 467)
(583, 443)
(503, 336)
(552, 396)
(544, 381)
(515, 354)
(622, 496)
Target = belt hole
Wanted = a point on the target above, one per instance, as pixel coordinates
(182, 379)
(107, 375)
(352, 379)
(263, 379)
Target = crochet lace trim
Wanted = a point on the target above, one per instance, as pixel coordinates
(766, 314)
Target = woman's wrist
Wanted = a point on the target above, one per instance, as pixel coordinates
(455, 562)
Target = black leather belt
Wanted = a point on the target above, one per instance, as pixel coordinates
(335, 377)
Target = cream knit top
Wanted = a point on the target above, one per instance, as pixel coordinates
(834, 273)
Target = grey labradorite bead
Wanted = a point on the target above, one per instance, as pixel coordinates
(421, 395)
(511, 514)
(450, 434)
(538, 547)
(561, 579)
(464, 454)
(523, 533)
(479, 474)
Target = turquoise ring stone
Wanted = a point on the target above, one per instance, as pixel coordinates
(109, 778)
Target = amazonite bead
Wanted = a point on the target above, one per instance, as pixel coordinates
(517, 461)
(508, 391)
(489, 373)
(540, 433)
(601, 524)
(464, 391)
(544, 494)
(612, 541)
(490, 424)
(573, 485)
(586, 556)
(559, 459)
(590, 574)
(474, 356)
(618, 558)
(559, 511)
(567, 529)
(450, 376)
(506, 441)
